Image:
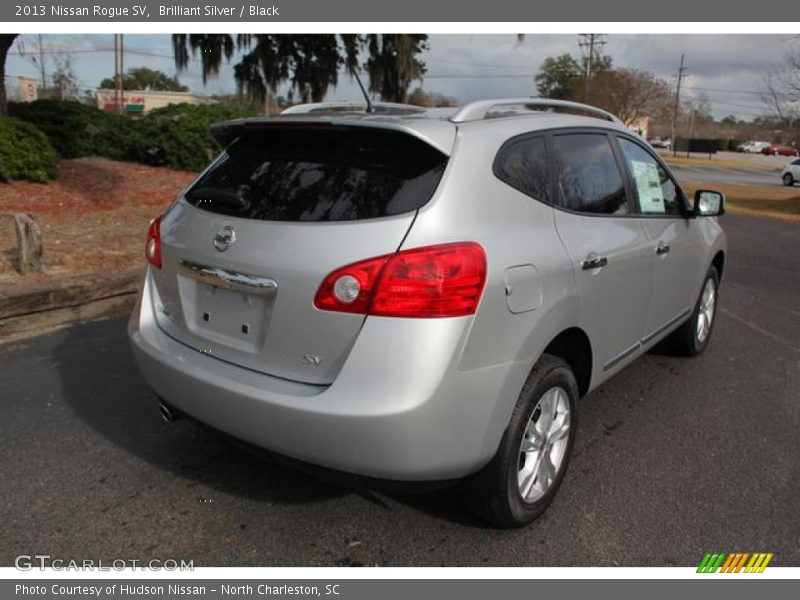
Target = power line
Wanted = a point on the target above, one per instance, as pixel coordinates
(722, 91)
(100, 51)
(470, 63)
(480, 76)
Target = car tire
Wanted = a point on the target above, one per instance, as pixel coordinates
(692, 338)
(788, 179)
(495, 493)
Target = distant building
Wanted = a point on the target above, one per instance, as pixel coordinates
(640, 126)
(140, 102)
(27, 89)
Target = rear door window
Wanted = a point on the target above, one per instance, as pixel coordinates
(588, 179)
(325, 174)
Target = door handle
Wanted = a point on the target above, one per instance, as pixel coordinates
(662, 248)
(593, 261)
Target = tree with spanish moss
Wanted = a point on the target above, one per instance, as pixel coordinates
(393, 63)
(310, 63)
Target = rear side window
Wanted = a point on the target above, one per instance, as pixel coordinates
(326, 174)
(587, 175)
(523, 166)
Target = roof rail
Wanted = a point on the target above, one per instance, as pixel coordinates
(475, 111)
(385, 108)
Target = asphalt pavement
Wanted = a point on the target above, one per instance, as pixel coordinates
(675, 458)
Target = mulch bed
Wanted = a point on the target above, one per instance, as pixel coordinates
(94, 217)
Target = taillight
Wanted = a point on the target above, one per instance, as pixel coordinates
(434, 281)
(152, 249)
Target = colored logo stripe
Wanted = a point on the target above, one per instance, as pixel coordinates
(758, 563)
(711, 562)
(735, 562)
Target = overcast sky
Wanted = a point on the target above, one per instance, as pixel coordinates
(729, 69)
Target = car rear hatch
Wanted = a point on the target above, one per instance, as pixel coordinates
(245, 249)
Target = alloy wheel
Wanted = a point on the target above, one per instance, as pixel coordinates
(705, 315)
(544, 444)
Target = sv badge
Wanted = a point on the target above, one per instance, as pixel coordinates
(312, 359)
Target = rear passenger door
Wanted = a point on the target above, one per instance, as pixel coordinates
(675, 241)
(610, 251)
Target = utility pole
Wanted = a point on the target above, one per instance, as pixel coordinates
(119, 94)
(681, 71)
(42, 65)
(691, 129)
(116, 72)
(590, 41)
(121, 74)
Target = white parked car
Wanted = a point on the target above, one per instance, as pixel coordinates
(659, 143)
(791, 172)
(752, 147)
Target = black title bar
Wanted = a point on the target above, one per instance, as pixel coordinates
(194, 11)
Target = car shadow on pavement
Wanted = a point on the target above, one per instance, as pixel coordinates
(111, 397)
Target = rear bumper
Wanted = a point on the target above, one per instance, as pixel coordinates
(399, 409)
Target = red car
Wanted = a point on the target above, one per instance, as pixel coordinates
(778, 150)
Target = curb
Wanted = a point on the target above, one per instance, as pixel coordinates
(29, 310)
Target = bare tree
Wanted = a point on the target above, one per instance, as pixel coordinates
(65, 82)
(35, 49)
(631, 94)
(782, 95)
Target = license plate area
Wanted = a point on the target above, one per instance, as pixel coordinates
(231, 318)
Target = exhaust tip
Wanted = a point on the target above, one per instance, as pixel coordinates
(168, 414)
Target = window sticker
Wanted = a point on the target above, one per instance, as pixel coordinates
(648, 186)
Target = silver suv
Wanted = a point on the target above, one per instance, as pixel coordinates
(423, 295)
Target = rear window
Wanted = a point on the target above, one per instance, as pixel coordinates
(326, 174)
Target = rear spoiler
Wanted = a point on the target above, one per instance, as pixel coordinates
(438, 133)
(227, 132)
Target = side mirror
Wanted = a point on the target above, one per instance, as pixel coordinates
(708, 203)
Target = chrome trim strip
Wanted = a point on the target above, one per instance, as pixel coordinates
(231, 280)
(621, 356)
(666, 326)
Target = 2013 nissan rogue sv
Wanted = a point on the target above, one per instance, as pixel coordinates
(423, 294)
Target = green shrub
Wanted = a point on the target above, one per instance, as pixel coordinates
(177, 135)
(25, 152)
(75, 129)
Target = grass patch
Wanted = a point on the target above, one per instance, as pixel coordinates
(772, 201)
(723, 163)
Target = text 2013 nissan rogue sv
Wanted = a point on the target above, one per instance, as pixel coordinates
(423, 295)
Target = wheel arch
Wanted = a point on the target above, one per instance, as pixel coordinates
(718, 262)
(573, 346)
